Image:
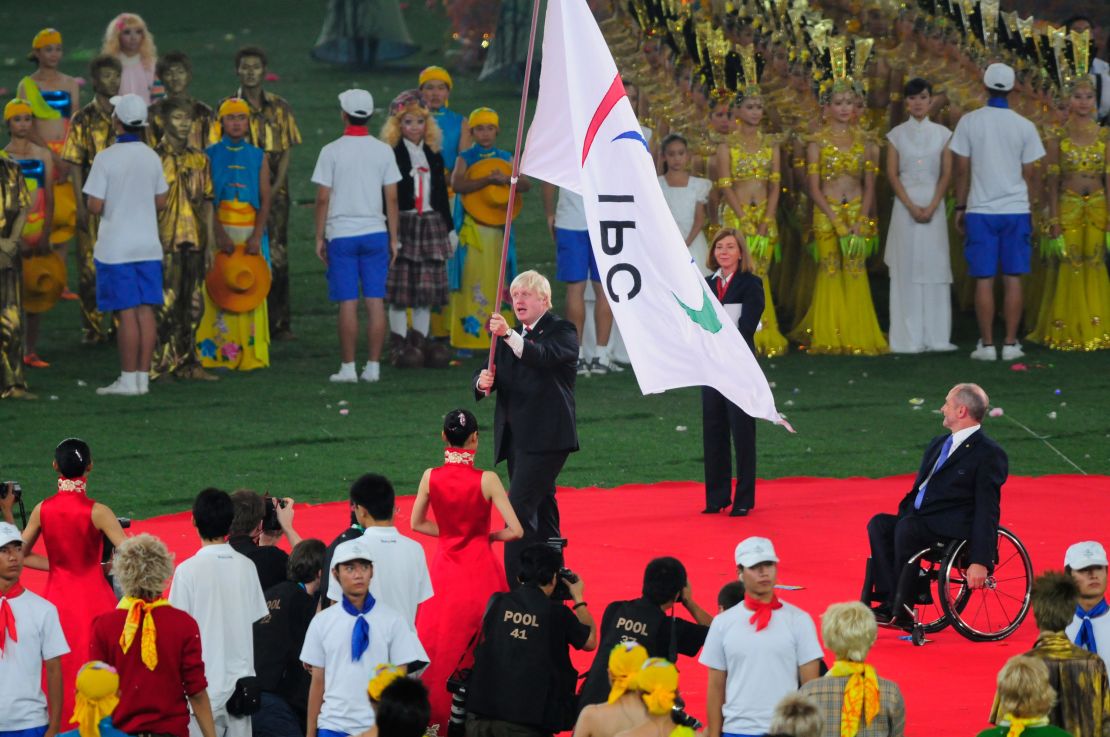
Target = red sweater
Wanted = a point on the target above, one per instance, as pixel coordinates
(152, 700)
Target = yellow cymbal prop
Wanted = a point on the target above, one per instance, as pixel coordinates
(44, 280)
(488, 204)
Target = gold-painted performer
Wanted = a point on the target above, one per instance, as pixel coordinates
(14, 204)
(841, 166)
(751, 190)
(1074, 311)
(91, 131)
(184, 227)
(274, 130)
(175, 70)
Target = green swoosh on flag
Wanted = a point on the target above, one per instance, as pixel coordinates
(706, 317)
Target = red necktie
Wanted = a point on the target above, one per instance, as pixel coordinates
(7, 617)
(420, 172)
(762, 616)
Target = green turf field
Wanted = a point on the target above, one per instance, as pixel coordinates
(282, 429)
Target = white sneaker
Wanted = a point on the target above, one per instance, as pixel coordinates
(124, 386)
(583, 367)
(943, 348)
(1012, 352)
(344, 376)
(143, 385)
(372, 372)
(984, 352)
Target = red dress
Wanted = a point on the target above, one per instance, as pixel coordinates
(76, 585)
(464, 571)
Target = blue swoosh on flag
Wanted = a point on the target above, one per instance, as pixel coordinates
(634, 136)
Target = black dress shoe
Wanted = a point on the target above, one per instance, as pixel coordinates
(883, 614)
(738, 512)
(712, 510)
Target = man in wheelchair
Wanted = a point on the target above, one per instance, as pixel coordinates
(954, 497)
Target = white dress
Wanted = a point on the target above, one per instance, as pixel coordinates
(917, 253)
(684, 202)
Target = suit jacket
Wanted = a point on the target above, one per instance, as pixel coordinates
(962, 498)
(744, 289)
(535, 393)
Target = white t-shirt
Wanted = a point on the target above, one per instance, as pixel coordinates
(127, 176)
(401, 579)
(22, 702)
(327, 645)
(355, 168)
(999, 142)
(1101, 626)
(761, 667)
(570, 211)
(219, 588)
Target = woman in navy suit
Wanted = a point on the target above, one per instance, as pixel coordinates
(741, 293)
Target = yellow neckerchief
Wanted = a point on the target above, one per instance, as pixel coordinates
(140, 610)
(1018, 724)
(861, 695)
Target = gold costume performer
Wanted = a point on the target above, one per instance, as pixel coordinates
(274, 130)
(14, 204)
(182, 228)
(751, 191)
(91, 131)
(1075, 305)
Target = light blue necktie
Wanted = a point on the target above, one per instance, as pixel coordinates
(940, 462)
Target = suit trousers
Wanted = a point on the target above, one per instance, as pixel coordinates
(893, 540)
(532, 494)
(721, 419)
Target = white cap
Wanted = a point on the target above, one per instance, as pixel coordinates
(358, 103)
(1084, 555)
(9, 533)
(999, 77)
(755, 550)
(350, 550)
(130, 109)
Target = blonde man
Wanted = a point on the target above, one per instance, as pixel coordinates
(534, 426)
(1025, 699)
(849, 630)
(797, 716)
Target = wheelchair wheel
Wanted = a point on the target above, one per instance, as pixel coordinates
(995, 611)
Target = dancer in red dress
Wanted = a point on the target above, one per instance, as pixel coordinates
(73, 528)
(465, 572)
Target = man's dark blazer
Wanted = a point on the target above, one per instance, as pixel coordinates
(962, 499)
(747, 289)
(535, 393)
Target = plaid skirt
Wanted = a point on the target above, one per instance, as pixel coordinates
(418, 278)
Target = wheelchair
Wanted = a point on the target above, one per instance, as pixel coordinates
(932, 592)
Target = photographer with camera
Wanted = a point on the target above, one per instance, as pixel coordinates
(658, 685)
(254, 513)
(522, 684)
(650, 621)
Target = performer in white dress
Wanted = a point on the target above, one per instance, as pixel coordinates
(687, 197)
(919, 166)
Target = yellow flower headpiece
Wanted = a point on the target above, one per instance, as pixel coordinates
(97, 697)
(384, 675)
(658, 684)
(625, 661)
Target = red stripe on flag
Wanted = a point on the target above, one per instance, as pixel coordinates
(612, 97)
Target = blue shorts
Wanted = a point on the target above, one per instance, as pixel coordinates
(994, 242)
(32, 732)
(128, 285)
(574, 258)
(358, 259)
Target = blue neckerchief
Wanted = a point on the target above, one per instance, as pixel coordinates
(1086, 636)
(127, 138)
(360, 638)
(998, 102)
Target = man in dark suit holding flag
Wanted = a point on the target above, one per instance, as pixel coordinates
(955, 496)
(534, 426)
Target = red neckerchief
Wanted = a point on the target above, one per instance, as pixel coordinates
(722, 285)
(7, 616)
(762, 616)
(356, 130)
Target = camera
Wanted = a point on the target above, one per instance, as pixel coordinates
(680, 718)
(17, 490)
(270, 520)
(561, 592)
(456, 685)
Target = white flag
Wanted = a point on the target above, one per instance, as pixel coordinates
(585, 138)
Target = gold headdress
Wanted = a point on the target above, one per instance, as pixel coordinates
(749, 73)
(835, 67)
(1073, 59)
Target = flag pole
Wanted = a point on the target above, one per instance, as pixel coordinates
(513, 180)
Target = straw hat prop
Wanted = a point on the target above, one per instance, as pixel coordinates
(239, 281)
(44, 279)
(488, 204)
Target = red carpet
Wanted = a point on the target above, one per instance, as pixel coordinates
(818, 527)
